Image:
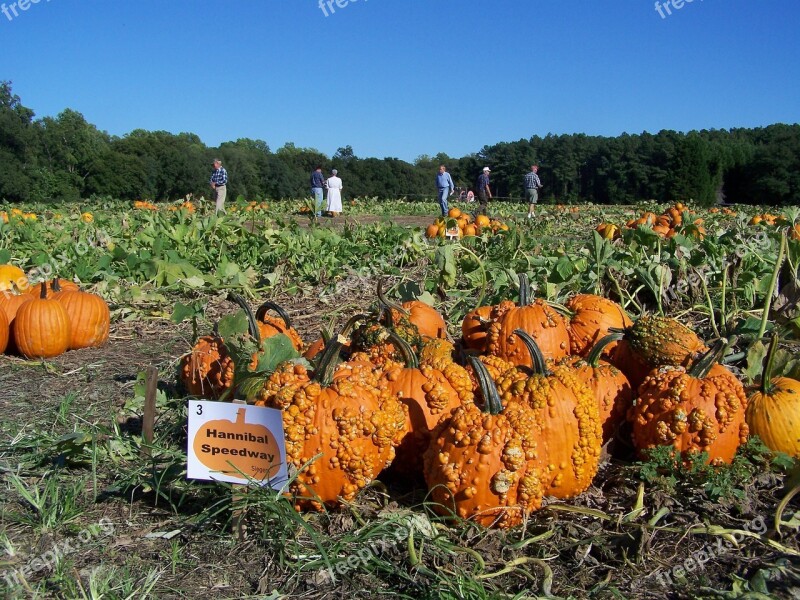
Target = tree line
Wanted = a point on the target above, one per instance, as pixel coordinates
(66, 158)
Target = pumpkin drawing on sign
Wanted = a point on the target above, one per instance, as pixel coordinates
(238, 449)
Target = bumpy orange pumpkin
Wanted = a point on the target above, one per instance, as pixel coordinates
(590, 318)
(537, 319)
(429, 394)
(773, 412)
(610, 387)
(481, 464)
(699, 410)
(664, 341)
(207, 370)
(340, 421)
(41, 327)
(567, 421)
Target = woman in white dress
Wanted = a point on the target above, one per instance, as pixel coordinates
(334, 185)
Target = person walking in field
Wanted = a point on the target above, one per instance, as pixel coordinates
(334, 185)
(484, 191)
(317, 183)
(219, 183)
(532, 186)
(444, 187)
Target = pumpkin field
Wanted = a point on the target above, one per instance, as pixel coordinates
(599, 402)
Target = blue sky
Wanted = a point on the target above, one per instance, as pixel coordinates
(405, 77)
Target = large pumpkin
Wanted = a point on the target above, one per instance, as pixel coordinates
(699, 410)
(41, 327)
(481, 464)
(340, 426)
(773, 412)
(89, 317)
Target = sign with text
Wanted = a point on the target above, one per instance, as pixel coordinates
(236, 443)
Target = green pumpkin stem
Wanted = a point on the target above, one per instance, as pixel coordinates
(255, 332)
(328, 361)
(766, 376)
(593, 360)
(262, 311)
(386, 307)
(700, 369)
(524, 290)
(537, 358)
(409, 356)
(491, 399)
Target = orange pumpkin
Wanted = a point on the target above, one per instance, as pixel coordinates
(41, 327)
(12, 277)
(428, 320)
(474, 328)
(89, 316)
(590, 318)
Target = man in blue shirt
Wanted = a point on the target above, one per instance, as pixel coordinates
(317, 183)
(532, 186)
(219, 183)
(445, 187)
(484, 191)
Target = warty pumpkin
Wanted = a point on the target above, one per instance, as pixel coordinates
(701, 409)
(340, 425)
(537, 319)
(207, 370)
(481, 464)
(773, 412)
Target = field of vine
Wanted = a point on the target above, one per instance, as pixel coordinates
(523, 481)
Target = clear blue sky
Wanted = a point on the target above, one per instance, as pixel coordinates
(405, 77)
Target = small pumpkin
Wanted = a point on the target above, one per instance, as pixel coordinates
(590, 318)
(207, 370)
(662, 341)
(773, 412)
(12, 277)
(475, 327)
(269, 325)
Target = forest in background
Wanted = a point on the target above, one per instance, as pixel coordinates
(66, 158)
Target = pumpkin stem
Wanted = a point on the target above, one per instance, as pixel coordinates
(492, 403)
(55, 286)
(524, 290)
(387, 305)
(262, 311)
(255, 332)
(537, 358)
(561, 309)
(700, 369)
(766, 375)
(328, 361)
(43, 290)
(409, 356)
(593, 360)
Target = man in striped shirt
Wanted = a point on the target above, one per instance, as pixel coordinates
(532, 185)
(219, 183)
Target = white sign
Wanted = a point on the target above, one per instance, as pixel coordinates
(237, 443)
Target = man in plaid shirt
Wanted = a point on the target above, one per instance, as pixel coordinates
(219, 183)
(532, 185)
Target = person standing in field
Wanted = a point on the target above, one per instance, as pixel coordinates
(219, 183)
(484, 191)
(444, 187)
(317, 183)
(334, 185)
(532, 186)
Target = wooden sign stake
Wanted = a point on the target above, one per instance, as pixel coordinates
(238, 492)
(149, 416)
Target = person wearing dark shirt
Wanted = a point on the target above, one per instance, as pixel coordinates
(317, 185)
(219, 183)
(484, 191)
(532, 186)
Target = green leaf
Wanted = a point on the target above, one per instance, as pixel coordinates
(231, 326)
(275, 350)
(182, 312)
(755, 359)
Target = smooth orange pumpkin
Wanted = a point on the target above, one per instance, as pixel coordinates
(41, 327)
